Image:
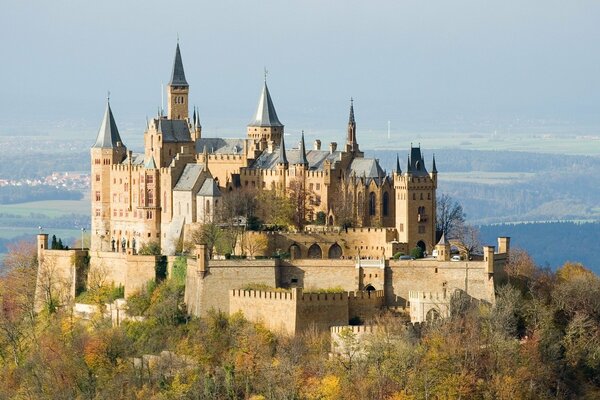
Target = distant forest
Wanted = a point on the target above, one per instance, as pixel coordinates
(23, 194)
(551, 244)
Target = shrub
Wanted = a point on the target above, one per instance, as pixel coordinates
(397, 255)
(151, 248)
(417, 252)
(321, 218)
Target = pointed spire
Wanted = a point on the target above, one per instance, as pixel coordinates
(282, 156)
(303, 159)
(265, 113)
(434, 168)
(178, 75)
(408, 164)
(442, 241)
(398, 170)
(351, 117)
(108, 135)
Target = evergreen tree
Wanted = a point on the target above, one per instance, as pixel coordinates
(54, 244)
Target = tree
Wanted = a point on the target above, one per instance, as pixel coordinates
(467, 240)
(302, 201)
(150, 248)
(209, 234)
(450, 216)
(253, 244)
(344, 208)
(520, 264)
(417, 252)
(275, 209)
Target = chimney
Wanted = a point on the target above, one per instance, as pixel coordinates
(332, 147)
(270, 146)
(317, 145)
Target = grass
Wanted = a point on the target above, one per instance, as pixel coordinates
(51, 208)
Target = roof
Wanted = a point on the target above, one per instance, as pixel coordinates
(368, 167)
(178, 75)
(282, 158)
(150, 163)
(316, 158)
(209, 188)
(108, 135)
(443, 241)
(302, 151)
(189, 177)
(265, 113)
(416, 164)
(174, 130)
(136, 159)
(220, 145)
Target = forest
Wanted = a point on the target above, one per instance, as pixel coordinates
(540, 340)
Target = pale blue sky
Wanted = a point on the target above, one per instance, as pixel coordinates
(424, 65)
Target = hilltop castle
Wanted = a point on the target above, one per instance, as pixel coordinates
(182, 179)
(182, 176)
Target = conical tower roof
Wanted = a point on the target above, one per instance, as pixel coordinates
(178, 75)
(108, 135)
(282, 155)
(303, 159)
(398, 169)
(265, 113)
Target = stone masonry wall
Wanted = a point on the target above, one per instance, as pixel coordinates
(276, 310)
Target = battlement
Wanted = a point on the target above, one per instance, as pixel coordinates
(322, 297)
(262, 294)
(416, 295)
(356, 329)
(366, 294)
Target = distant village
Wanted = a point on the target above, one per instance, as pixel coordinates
(60, 180)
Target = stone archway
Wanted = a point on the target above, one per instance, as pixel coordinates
(335, 251)
(331, 220)
(369, 288)
(315, 252)
(432, 315)
(295, 252)
(422, 245)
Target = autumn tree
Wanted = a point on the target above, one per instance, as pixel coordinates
(302, 201)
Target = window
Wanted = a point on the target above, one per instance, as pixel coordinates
(421, 229)
(97, 212)
(149, 179)
(401, 228)
(386, 204)
(372, 205)
(150, 197)
(318, 186)
(98, 196)
(207, 209)
(97, 177)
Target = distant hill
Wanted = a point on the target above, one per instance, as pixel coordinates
(551, 243)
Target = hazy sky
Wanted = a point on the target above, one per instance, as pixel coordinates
(423, 64)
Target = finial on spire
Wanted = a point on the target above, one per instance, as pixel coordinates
(108, 96)
(266, 72)
(177, 37)
(434, 168)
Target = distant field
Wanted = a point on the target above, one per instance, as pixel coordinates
(51, 208)
(571, 144)
(13, 232)
(488, 178)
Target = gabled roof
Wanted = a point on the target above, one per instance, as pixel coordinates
(209, 188)
(108, 135)
(367, 167)
(189, 177)
(136, 159)
(150, 163)
(178, 75)
(220, 145)
(174, 130)
(265, 113)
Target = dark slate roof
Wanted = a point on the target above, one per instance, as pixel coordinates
(316, 158)
(189, 177)
(174, 130)
(209, 188)
(282, 156)
(220, 145)
(108, 135)
(416, 165)
(265, 113)
(178, 75)
(443, 241)
(302, 151)
(367, 167)
(136, 159)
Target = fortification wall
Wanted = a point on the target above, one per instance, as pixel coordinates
(321, 310)
(59, 276)
(319, 274)
(365, 305)
(360, 333)
(276, 310)
(130, 271)
(209, 290)
(429, 275)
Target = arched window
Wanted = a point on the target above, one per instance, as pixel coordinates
(360, 204)
(372, 203)
(207, 209)
(335, 251)
(386, 204)
(315, 251)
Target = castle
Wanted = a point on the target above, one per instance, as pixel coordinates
(182, 179)
(182, 176)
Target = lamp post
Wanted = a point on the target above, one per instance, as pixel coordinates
(82, 230)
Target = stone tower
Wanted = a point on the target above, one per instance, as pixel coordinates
(106, 152)
(178, 90)
(265, 126)
(415, 202)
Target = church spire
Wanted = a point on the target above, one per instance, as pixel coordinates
(108, 135)
(178, 75)
(351, 143)
(434, 168)
(303, 159)
(282, 156)
(398, 170)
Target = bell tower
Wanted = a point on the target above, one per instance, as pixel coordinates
(178, 90)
